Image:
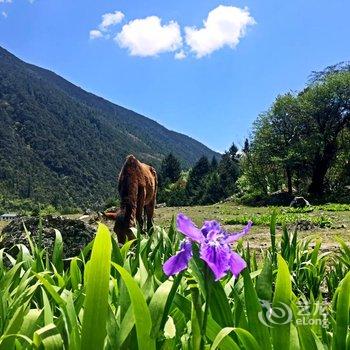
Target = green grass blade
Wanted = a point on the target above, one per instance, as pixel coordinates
(48, 338)
(264, 281)
(342, 315)
(253, 308)
(30, 322)
(248, 341)
(13, 327)
(273, 237)
(97, 288)
(282, 298)
(219, 304)
(75, 274)
(221, 336)
(157, 306)
(213, 330)
(143, 320)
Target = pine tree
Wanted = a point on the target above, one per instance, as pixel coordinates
(214, 164)
(229, 170)
(213, 190)
(195, 185)
(246, 146)
(170, 169)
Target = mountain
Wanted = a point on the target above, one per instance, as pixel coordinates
(62, 145)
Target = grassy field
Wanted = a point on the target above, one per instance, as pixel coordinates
(334, 220)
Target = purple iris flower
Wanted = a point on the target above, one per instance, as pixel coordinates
(214, 248)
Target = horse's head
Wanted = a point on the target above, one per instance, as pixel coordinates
(122, 226)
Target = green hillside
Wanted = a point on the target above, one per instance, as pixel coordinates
(62, 145)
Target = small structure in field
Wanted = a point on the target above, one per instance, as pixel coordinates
(299, 202)
(8, 216)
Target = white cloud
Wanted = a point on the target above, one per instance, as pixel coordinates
(95, 34)
(5, 1)
(180, 55)
(110, 19)
(225, 25)
(148, 37)
(4, 14)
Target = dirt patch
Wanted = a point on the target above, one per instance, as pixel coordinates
(76, 234)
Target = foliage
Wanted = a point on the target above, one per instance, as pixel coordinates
(287, 218)
(205, 183)
(26, 207)
(302, 142)
(47, 306)
(196, 180)
(170, 170)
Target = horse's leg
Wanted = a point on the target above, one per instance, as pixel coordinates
(149, 213)
(120, 235)
(140, 206)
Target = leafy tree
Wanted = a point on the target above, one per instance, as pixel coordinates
(297, 141)
(327, 104)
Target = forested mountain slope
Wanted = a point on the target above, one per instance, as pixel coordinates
(62, 145)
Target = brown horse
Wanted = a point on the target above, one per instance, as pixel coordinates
(137, 186)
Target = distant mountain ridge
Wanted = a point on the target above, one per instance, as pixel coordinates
(62, 145)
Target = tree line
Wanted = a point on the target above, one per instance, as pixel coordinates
(300, 145)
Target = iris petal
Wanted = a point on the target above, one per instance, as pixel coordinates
(178, 262)
(187, 227)
(217, 258)
(232, 237)
(211, 226)
(237, 264)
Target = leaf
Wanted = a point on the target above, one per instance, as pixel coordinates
(75, 274)
(219, 304)
(264, 281)
(13, 327)
(126, 327)
(282, 299)
(342, 314)
(97, 288)
(253, 309)
(143, 321)
(248, 341)
(48, 315)
(169, 328)
(273, 236)
(157, 305)
(48, 338)
(213, 330)
(30, 322)
(125, 248)
(57, 255)
(221, 336)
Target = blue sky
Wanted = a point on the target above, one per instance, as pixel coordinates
(235, 64)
